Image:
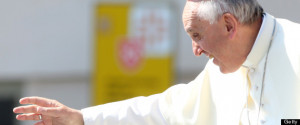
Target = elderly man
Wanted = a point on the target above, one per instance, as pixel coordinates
(253, 76)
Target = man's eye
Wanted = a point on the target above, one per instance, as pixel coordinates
(196, 36)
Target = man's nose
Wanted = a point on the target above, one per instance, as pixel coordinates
(196, 49)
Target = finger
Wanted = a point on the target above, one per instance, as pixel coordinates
(26, 109)
(39, 101)
(51, 111)
(30, 116)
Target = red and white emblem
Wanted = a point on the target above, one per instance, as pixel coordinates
(130, 53)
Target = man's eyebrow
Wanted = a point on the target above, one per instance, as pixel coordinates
(189, 30)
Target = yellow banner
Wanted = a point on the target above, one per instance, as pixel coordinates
(127, 63)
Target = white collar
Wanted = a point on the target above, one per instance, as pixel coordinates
(262, 42)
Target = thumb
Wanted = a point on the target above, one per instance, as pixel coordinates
(50, 111)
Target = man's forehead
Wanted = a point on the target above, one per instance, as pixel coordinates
(189, 23)
(191, 7)
(190, 11)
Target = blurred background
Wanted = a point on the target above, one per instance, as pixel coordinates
(89, 52)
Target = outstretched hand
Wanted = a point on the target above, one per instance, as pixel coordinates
(50, 111)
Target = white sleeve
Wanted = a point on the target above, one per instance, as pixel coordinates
(135, 111)
(180, 104)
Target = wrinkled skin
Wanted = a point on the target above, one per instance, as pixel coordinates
(226, 40)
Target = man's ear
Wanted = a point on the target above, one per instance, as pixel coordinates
(230, 23)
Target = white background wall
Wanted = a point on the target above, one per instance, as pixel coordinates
(44, 37)
(46, 45)
(288, 9)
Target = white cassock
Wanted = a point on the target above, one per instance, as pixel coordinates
(259, 92)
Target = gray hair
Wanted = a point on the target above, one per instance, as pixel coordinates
(246, 11)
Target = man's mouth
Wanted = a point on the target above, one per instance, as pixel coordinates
(207, 54)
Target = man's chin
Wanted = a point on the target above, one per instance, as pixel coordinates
(224, 71)
(215, 61)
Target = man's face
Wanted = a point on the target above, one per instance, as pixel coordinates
(213, 40)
